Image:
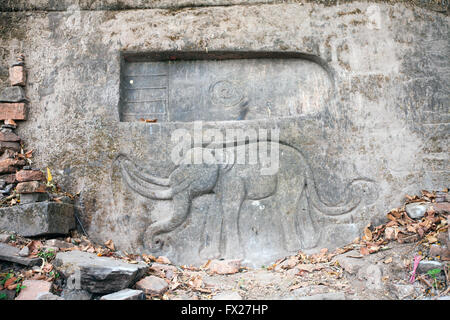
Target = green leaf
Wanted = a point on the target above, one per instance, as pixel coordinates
(434, 272)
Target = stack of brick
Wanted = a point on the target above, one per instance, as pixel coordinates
(14, 171)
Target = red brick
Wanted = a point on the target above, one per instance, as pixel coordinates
(31, 187)
(29, 175)
(33, 288)
(17, 76)
(224, 266)
(9, 137)
(15, 111)
(5, 145)
(9, 165)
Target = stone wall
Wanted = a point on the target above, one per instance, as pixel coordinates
(386, 123)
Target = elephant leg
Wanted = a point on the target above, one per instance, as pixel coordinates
(231, 197)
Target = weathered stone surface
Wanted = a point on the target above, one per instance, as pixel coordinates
(33, 289)
(385, 125)
(349, 264)
(224, 266)
(31, 187)
(125, 294)
(404, 291)
(325, 296)
(48, 296)
(96, 274)
(15, 111)
(33, 197)
(4, 238)
(59, 244)
(11, 254)
(227, 296)
(416, 210)
(68, 294)
(30, 175)
(168, 271)
(38, 218)
(17, 75)
(24, 252)
(152, 285)
(372, 274)
(12, 94)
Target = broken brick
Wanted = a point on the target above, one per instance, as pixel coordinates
(17, 76)
(9, 165)
(29, 175)
(15, 111)
(31, 187)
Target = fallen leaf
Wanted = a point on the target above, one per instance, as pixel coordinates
(364, 251)
(110, 245)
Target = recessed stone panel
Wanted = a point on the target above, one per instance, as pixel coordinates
(225, 87)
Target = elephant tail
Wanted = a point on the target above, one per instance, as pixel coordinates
(355, 192)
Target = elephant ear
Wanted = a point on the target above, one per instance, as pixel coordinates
(143, 183)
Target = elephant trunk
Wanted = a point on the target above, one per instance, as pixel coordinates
(144, 184)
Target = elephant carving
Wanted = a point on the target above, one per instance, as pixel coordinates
(232, 184)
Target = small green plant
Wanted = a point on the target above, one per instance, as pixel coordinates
(3, 296)
(46, 254)
(433, 274)
(54, 274)
(19, 287)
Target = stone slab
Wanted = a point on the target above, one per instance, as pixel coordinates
(11, 254)
(95, 274)
(125, 294)
(37, 219)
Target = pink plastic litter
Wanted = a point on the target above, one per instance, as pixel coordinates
(416, 263)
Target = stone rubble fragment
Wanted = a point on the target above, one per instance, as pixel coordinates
(97, 274)
(37, 219)
(11, 254)
(152, 285)
(12, 94)
(224, 266)
(48, 296)
(416, 210)
(125, 294)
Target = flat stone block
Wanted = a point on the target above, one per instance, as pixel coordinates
(34, 289)
(33, 197)
(11, 254)
(36, 219)
(31, 187)
(96, 274)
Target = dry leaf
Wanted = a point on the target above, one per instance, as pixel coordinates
(110, 245)
(163, 260)
(388, 260)
(364, 251)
